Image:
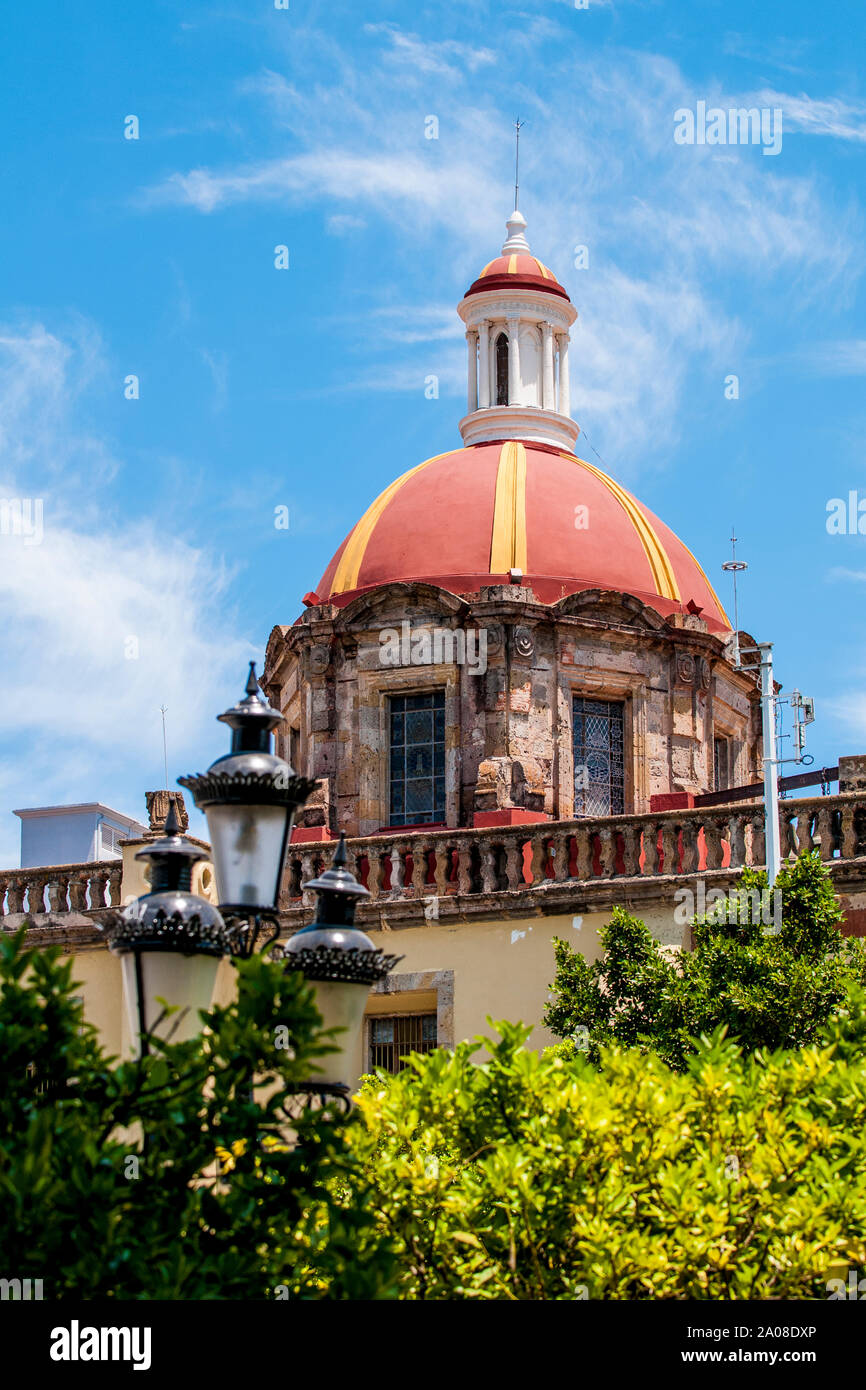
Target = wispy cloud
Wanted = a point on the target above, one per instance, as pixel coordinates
(124, 614)
(671, 231)
(844, 120)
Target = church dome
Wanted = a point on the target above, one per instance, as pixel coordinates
(515, 267)
(514, 272)
(467, 518)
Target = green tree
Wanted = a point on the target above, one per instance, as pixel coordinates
(509, 1175)
(770, 983)
(182, 1175)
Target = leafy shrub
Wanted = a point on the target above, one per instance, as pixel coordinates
(527, 1176)
(171, 1177)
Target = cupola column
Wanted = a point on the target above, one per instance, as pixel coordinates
(513, 361)
(548, 394)
(484, 365)
(472, 358)
(564, 394)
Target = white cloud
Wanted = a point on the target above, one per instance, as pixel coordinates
(106, 619)
(680, 239)
(844, 120)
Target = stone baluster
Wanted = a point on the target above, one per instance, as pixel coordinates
(737, 838)
(58, 891)
(691, 849)
(650, 841)
(538, 863)
(441, 867)
(561, 855)
(420, 854)
(631, 849)
(607, 856)
(826, 832)
(35, 894)
(489, 866)
(397, 868)
(308, 872)
(713, 841)
(670, 847)
(583, 836)
(514, 863)
(787, 841)
(804, 830)
(15, 895)
(758, 856)
(464, 868)
(115, 878)
(98, 885)
(848, 835)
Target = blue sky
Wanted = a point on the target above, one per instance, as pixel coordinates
(304, 388)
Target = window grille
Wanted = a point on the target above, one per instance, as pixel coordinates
(392, 1037)
(417, 759)
(599, 762)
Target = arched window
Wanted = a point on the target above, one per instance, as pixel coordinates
(502, 369)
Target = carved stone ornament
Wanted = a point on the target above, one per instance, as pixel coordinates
(706, 675)
(495, 638)
(157, 809)
(523, 642)
(320, 658)
(685, 669)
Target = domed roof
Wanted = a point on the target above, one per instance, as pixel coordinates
(517, 271)
(515, 267)
(466, 518)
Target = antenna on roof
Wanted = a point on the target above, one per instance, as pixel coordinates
(735, 567)
(163, 709)
(518, 126)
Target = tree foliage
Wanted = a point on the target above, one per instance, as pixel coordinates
(516, 1176)
(768, 988)
(172, 1177)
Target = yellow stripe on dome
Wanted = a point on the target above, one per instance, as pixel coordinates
(659, 561)
(543, 268)
(352, 558)
(487, 268)
(508, 541)
(512, 265)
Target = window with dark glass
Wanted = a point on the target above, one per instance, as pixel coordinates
(599, 762)
(417, 759)
(721, 764)
(502, 369)
(393, 1037)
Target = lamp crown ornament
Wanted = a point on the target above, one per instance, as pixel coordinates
(250, 797)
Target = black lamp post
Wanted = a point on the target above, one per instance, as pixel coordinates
(250, 798)
(170, 942)
(341, 962)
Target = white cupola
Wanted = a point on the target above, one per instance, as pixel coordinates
(517, 318)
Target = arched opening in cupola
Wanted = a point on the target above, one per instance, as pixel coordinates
(502, 369)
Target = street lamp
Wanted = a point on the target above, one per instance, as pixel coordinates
(249, 798)
(341, 962)
(170, 942)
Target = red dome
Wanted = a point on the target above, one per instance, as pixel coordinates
(466, 518)
(517, 271)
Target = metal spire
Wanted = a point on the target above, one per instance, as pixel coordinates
(735, 567)
(518, 126)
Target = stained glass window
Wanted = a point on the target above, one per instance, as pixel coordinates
(599, 762)
(417, 759)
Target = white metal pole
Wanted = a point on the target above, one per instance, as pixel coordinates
(771, 767)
